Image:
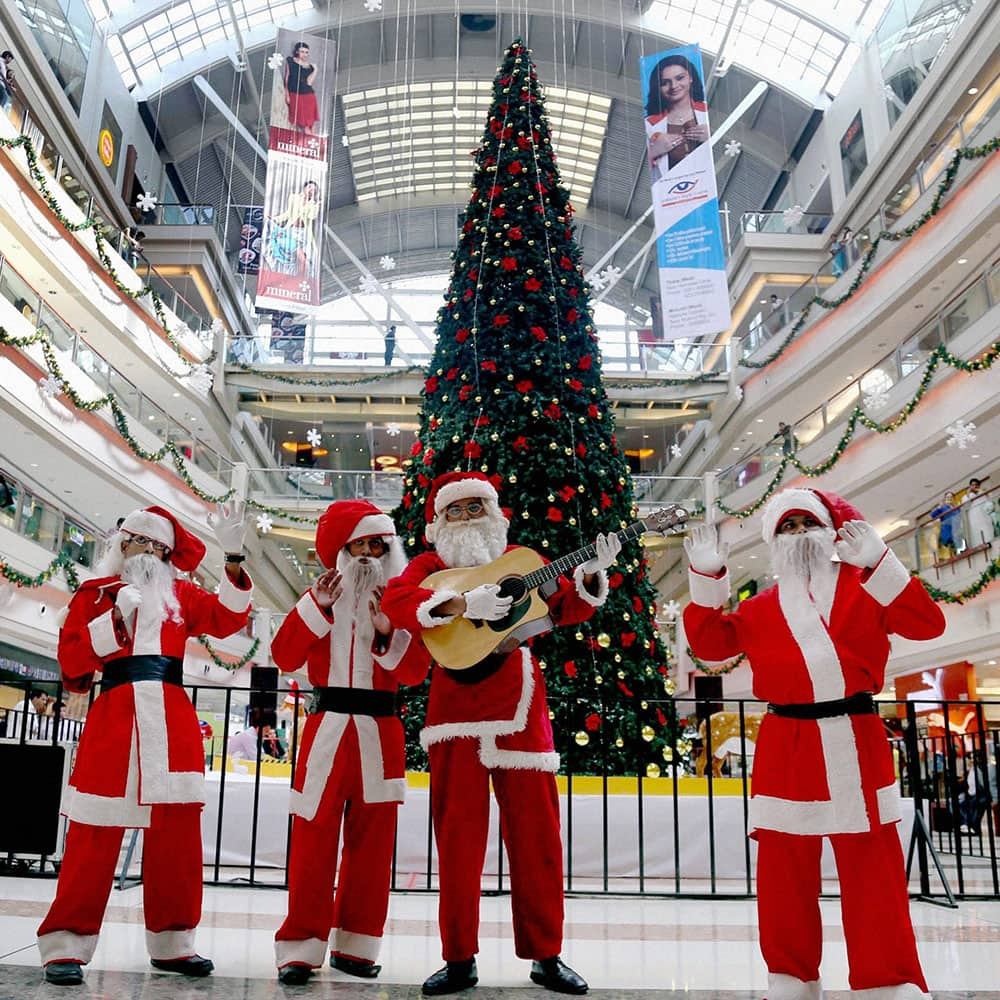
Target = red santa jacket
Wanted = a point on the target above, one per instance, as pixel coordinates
(141, 744)
(829, 775)
(339, 657)
(506, 711)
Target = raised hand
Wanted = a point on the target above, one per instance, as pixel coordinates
(229, 525)
(327, 588)
(859, 544)
(379, 618)
(705, 553)
(484, 603)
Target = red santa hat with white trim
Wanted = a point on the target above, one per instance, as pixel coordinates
(453, 486)
(346, 521)
(186, 551)
(829, 509)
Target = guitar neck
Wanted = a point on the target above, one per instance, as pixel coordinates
(573, 559)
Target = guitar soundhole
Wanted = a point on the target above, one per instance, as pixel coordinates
(513, 586)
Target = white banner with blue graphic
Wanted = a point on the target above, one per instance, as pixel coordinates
(689, 253)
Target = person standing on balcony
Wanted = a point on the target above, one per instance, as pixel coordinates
(7, 87)
(982, 527)
(950, 533)
(351, 764)
(140, 762)
(390, 344)
(817, 643)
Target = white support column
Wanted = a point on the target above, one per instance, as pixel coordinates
(733, 354)
(711, 493)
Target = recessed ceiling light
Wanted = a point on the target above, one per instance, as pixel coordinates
(763, 302)
(753, 557)
(972, 91)
(991, 663)
(849, 377)
(977, 456)
(176, 394)
(34, 465)
(152, 416)
(735, 448)
(963, 260)
(760, 420)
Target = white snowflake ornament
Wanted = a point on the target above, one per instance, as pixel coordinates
(264, 523)
(456, 111)
(368, 285)
(733, 149)
(314, 437)
(50, 385)
(877, 399)
(373, 6)
(960, 435)
(275, 61)
(670, 611)
(675, 450)
(610, 275)
(597, 282)
(146, 202)
(387, 263)
(344, 141)
(793, 216)
(200, 379)
(392, 430)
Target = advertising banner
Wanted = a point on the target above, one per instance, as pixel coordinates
(250, 240)
(291, 238)
(689, 251)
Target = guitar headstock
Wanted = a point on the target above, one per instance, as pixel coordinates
(666, 519)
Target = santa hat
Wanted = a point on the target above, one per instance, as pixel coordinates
(454, 486)
(186, 551)
(829, 509)
(346, 521)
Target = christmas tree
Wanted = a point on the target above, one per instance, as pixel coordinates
(514, 390)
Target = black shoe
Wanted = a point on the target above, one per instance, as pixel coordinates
(453, 978)
(554, 974)
(354, 967)
(294, 975)
(64, 973)
(195, 965)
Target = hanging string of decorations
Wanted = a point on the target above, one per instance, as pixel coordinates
(939, 356)
(37, 175)
(61, 562)
(988, 575)
(868, 257)
(230, 665)
(721, 669)
(321, 382)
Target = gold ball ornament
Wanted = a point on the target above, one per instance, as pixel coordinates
(652, 770)
(603, 640)
(619, 743)
(582, 738)
(668, 754)
(648, 734)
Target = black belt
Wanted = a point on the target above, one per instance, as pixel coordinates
(354, 701)
(128, 669)
(479, 671)
(858, 704)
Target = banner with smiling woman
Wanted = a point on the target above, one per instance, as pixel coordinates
(689, 250)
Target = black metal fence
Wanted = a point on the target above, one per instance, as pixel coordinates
(682, 833)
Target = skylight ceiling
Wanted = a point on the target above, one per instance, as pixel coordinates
(444, 123)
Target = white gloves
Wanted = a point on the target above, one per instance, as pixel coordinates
(484, 603)
(859, 544)
(705, 553)
(229, 525)
(128, 600)
(607, 548)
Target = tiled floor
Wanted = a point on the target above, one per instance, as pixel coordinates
(625, 947)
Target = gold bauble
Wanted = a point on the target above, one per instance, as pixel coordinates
(582, 738)
(619, 743)
(603, 640)
(598, 679)
(578, 636)
(652, 770)
(668, 754)
(648, 734)
(621, 676)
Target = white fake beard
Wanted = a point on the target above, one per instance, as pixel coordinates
(359, 576)
(803, 562)
(475, 542)
(155, 580)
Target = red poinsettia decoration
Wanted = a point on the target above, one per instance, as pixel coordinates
(462, 335)
(585, 362)
(532, 285)
(570, 668)
(520, 443)
(501, 320)
(555, 514)
(488, 366)
(538, 333)
(515, 233)
(525, 385)
(567, 493)
(581, 450)
(431, 385)
(615, 580)
(593, 722)
(416, 448)
(465, 392)
(509, 264)
(472, 450)
(552, 411)
(637, 605)
(628, 639)
(514, 169)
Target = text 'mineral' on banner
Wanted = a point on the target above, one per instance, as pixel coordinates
(295, 192)
(689, 251)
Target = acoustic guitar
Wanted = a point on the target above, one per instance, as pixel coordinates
(521, 573)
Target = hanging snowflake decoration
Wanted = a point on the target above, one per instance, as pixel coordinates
(368, 285)
(218, 326)
(669, 611)
(610, 275)
(344, 141)
(50, 385)
(456, 111)
(960, 435)
(877, 399)
(264, 523)
(675, 450)
(392, 430)
(181, 331)
(387, 263)
(596, 282)
(314, 437)
(733, 149)
(373, 6)
(275, 61)
(146, 202)
(793, 216)
(200, 379)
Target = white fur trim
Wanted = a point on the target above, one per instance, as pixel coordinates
(904, 991)
(708, 591)
(157, 783)
(145, 522)
(375, 786)
(167, 945)
(148, 635)
(890, 808)
(784, 987)
(398, 645)
(464, 489)
(424, 616)
(233, 598)
(319, 764)
(517, 760)
(312, 615)
(65, 946)
(373, 524)
(792, 499)
(311, 952)
(102, 635)
(814, 642)
(104, 810)
(888, 580)
(354, 944)
(594, 600)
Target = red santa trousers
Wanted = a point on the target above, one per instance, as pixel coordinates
(358, 909)
(171, 886)
(529, 822)
(874, 901)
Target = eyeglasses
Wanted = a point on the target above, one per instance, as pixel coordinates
(455, 512)
(143, 541)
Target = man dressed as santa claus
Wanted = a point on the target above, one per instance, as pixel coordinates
(351, 765)
(818, 643)
(491, 722)
(140, 761)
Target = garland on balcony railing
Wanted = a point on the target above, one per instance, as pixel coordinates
(868, 257)
(940, 355)
(61, 562)
(322, 382)
(988, 575)
(37, 175)
(226, 664)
